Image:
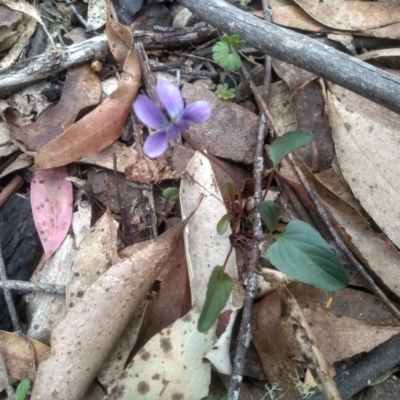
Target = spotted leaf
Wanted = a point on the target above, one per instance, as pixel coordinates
(51, 198)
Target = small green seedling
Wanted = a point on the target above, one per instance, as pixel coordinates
(171, 193)
(224, 52)
(224, 92)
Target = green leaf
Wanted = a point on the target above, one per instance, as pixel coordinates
(218, 291)
(269, 212)
(225, 93)
(222, 56)
(303, 254)
(233, 41)
(286, 143)
(230, 189)
(171, 193)
(22, 390)
(223, 223)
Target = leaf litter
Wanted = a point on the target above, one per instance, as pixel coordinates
(162, 378)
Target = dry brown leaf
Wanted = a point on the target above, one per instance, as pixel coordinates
(95, 131)
(82, 341)
(92, 259)
(105, 124)
(271, 344)
(309, 105)
(18, 355)
(148, 171)
(358, 304)
(82, 90)
(342, 337)
(288, 13)
(371, 247)
(172, 302)
(367, 146)
(125, 155)
(352, 15)
(306, 338)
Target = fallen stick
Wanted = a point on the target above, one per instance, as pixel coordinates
(295, 48)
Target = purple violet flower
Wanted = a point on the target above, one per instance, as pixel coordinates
(169, 124)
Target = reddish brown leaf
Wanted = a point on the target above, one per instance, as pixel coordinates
(82, 89)
(51, 199)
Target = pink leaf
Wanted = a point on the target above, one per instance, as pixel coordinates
(51, 198)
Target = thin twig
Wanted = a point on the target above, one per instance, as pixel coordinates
(244, 331)
(7, 385)
(8, 296)
(76, 13)
(33, 287)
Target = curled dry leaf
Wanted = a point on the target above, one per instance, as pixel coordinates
(352, 15)
(29, 9)
(342, 337)
(82, 89)
(52, 201)
(82, 341)
(93, 132)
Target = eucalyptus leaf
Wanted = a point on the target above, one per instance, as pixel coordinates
(223, 223)
(218, 291)
(286, 143)
(269, 212)
(171, 193)
(301, 252)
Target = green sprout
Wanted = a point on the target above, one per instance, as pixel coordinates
(224, 52)
(224, 92)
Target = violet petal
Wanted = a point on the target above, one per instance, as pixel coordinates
(176, 128)
(148, 113)
(197, 112)
(170, 97)
(156, 144)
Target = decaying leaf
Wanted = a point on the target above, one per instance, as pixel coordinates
(272, 345)
(25, 31)
(91, 260)
(52, 202)
(82, 90)
(306, 338)
(205, 249)
(170, 366)
(352, 15)
(367, 146)
(28, 9)
(82, 341)
(105, 124)
(96, 14)
(342, 337)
